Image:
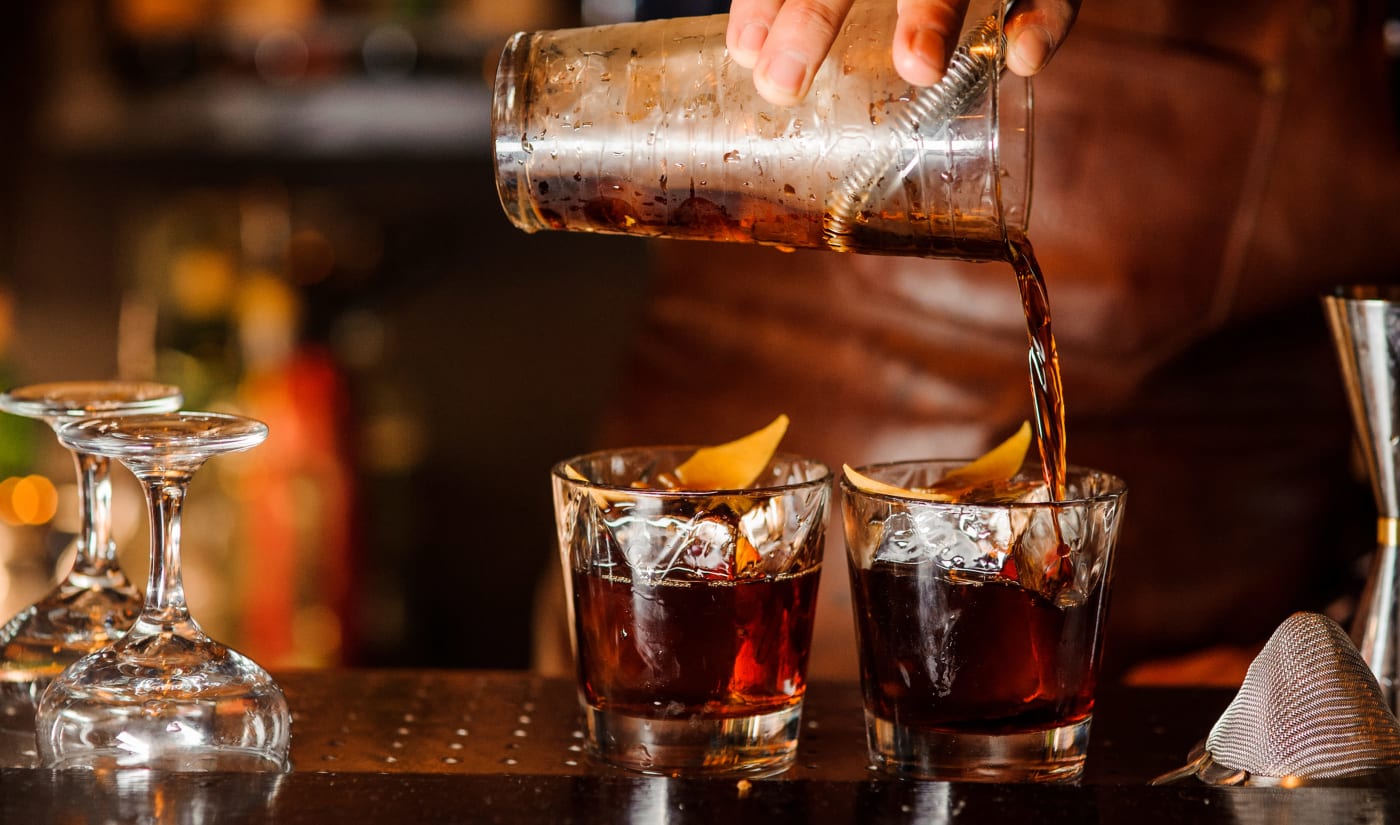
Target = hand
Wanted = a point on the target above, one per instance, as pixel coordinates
(784, 41)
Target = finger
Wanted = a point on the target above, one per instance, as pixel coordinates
(924, 36)
(797, 43)
(749, 22)
(1035, 30)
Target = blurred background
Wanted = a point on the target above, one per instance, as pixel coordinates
(287, 208)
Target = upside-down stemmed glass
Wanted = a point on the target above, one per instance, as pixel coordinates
(165, 696)
(95, 602)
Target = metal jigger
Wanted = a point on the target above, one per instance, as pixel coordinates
(1365, 322)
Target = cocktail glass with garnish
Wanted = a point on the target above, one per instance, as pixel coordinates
(692, 580)
(979, 606)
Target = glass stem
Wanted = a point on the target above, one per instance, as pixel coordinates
(97, 553)
(165, 589)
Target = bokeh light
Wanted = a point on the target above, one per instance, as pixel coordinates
(202, 283)
(27, 500)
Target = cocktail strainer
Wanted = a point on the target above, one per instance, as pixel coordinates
(1309, 712)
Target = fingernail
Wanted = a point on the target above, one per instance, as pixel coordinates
(752, 37)
(928, 46)
(1031, 48)
(787, 71)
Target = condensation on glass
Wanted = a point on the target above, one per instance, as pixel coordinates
(650, 129)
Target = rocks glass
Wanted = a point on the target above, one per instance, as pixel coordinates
(979, 621)
(691, 611)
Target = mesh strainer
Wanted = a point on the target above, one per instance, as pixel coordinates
(1309, 712)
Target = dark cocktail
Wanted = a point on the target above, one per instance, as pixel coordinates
(692, 609)
(712, 647)
(979, 621)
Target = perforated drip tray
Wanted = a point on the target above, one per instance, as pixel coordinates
(501, 723)
(444, 723)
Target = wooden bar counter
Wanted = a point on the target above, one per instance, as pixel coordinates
(503, 747)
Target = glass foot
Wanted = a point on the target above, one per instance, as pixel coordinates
(191, 760)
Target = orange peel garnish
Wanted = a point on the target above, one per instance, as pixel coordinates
(733, 465)
(746, 556)
(866, 484)
(996, 465)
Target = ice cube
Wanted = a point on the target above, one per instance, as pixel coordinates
(899, 541)
(644, 541)
(705, 545)
(656, 545)
(778, 529)
(763, 525)
(951, 536)
(1047, 558)
(585, 530)
(975, 536)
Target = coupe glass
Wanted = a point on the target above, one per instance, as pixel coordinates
(165, 696)
(95, 602)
